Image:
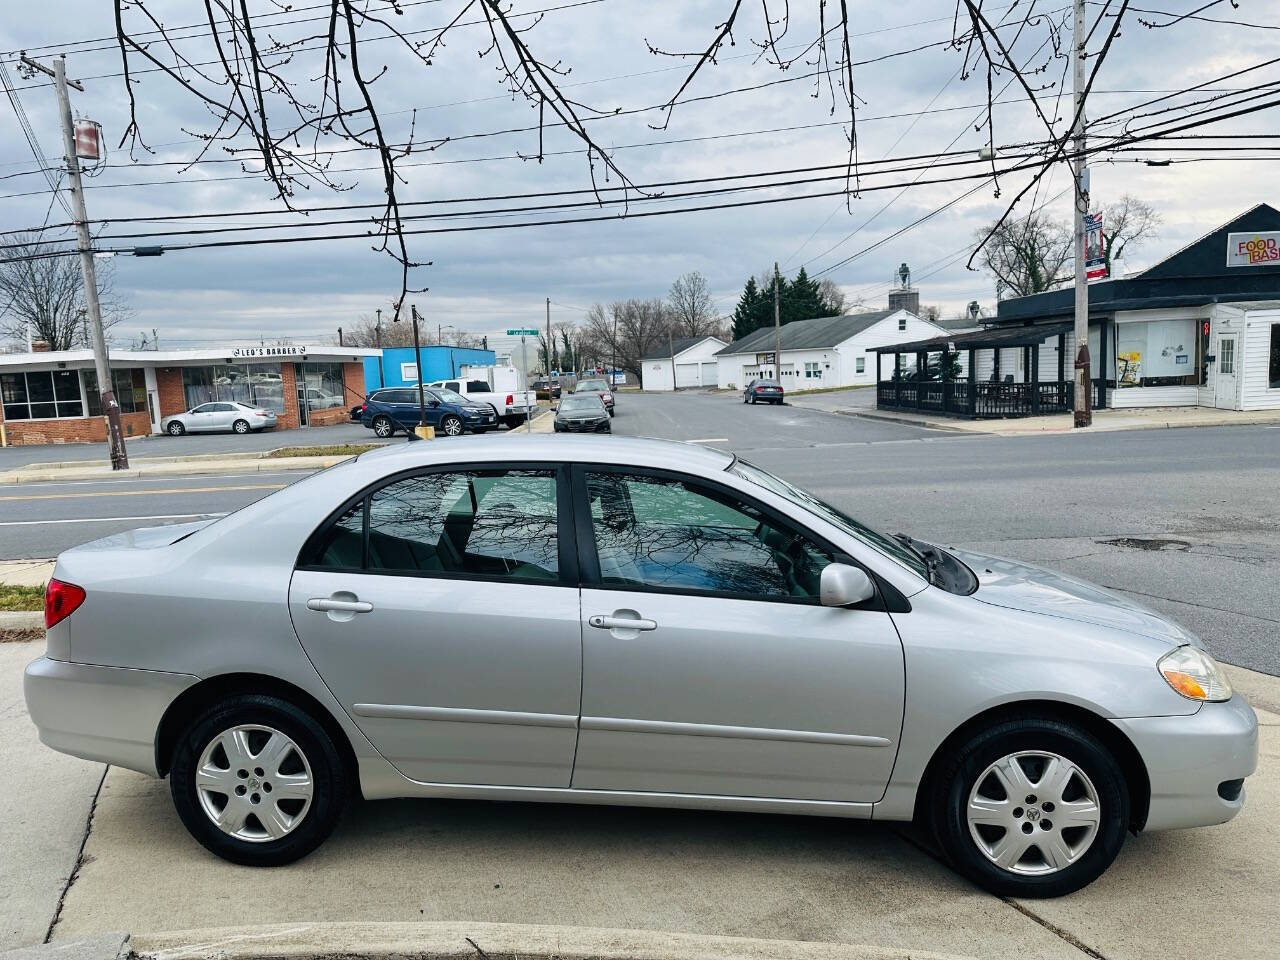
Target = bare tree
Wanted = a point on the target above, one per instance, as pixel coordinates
(1128, 223)
(832, 295)
(365, 333)
(45, 296)
(691, 307)
(1028, 255)
(627, 330)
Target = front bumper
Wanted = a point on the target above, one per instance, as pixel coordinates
(582, 426)
(109, 714)
(1189, 757)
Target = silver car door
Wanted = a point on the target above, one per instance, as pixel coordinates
(449, 626)
(709, 667)
(202, 418)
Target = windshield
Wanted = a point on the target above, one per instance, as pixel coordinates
(586, 402)
(447, 395)
(590, 385)
(872, 538)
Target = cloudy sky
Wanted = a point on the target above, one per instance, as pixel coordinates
(910, 103)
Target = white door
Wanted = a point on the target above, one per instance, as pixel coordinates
(1224, 378)
(687, 375)
(709, 666)
(710, 375)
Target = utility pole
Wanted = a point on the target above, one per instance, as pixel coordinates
(340, 343)
(377, 338)
(1083, 400)
(671, 351)
(98, 340)
(777, 331)
(417, 358)
(551, 347)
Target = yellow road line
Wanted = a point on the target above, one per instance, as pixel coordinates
(148, 493)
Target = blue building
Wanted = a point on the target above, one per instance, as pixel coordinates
(397, 367)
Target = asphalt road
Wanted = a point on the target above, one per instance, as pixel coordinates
(1186, 521)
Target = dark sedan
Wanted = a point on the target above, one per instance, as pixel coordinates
(763, 391)
(450, 413)
(582, 413)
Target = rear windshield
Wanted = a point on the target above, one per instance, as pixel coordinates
(591, 385)
(766, 383)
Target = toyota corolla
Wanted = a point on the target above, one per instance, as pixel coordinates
(637, 623)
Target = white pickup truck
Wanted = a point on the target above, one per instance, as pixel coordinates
(512, 406)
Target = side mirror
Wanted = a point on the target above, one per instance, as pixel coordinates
(843, 586)
(433, 403)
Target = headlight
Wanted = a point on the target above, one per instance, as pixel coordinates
(1194, 674)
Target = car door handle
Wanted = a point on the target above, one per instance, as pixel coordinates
(346, 606)
(622, 623)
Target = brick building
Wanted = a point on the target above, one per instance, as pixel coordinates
(52, 396)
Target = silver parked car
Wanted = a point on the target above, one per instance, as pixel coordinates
(224, 415)
(639, 622)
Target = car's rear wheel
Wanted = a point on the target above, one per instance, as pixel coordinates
(176, 429)
(240, 426)
(258, 781)
(451, 426)
(1031, 808)
(383, 427)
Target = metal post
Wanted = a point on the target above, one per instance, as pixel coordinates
(551, 347)
(1083, 391)
(417, 358)
(101, 366)
(524, 362)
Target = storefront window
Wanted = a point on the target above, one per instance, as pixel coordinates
(259, 384)
(129, 386)
(1157, 353)
(1273, 370)
(324, 385)
(41, 395)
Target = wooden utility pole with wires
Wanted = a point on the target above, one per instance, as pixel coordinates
(1083, 399)
(97, 339)
(551, 346)
(777, 327)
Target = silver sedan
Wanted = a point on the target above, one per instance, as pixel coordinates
(638, 623)
(218, 416)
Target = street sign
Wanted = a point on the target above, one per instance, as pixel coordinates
(522, 333)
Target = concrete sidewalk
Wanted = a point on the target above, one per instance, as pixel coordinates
(689, 874)
(1104, 421)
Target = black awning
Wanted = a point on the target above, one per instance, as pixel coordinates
(1025, 336)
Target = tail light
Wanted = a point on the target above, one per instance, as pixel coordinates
(60, 601)
(511, 398)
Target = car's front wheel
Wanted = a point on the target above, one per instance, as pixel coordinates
(258, 781)
(176, 429)
(1031, 808)
(383, 427)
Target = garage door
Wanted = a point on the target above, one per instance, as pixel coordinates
(687, 375)
(710, 376)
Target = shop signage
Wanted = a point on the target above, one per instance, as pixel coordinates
(1253, 249)
(289, 351)
(764, 358)
(1095, 248)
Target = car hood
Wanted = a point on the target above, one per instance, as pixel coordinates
(1033, 589)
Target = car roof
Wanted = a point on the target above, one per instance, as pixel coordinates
(515, 446)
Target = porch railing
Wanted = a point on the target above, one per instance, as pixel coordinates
(980, 400)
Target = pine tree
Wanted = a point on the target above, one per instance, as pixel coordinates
(803, 300)
(746, 313)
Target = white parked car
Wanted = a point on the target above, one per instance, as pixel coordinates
(322, 400)
(219, 415)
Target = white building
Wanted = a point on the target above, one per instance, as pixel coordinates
(823, 352)
(694, 360)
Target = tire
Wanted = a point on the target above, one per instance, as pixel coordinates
(753, 401)
(241, 426)
(612, 412)
(1080, 852)
(451, 426)
(175, 429)
(383, 427)
(299, 823)
(744, 398)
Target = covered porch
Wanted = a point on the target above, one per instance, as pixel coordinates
(961, 374)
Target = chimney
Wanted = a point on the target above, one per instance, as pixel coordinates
(39, 346)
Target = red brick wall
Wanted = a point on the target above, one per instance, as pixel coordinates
(173, 398)
(353, 379)
(74, 429)
(289, 419)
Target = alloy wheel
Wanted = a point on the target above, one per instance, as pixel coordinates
(452, 426)
(254, 783)
(382, 427)
(1033, 813)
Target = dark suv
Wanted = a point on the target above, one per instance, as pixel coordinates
(450, 413)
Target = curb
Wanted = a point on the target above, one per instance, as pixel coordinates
(211, 468)
(497, 941)
(106, 946)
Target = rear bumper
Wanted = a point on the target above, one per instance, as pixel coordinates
(1189, 758)
(109, 714)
